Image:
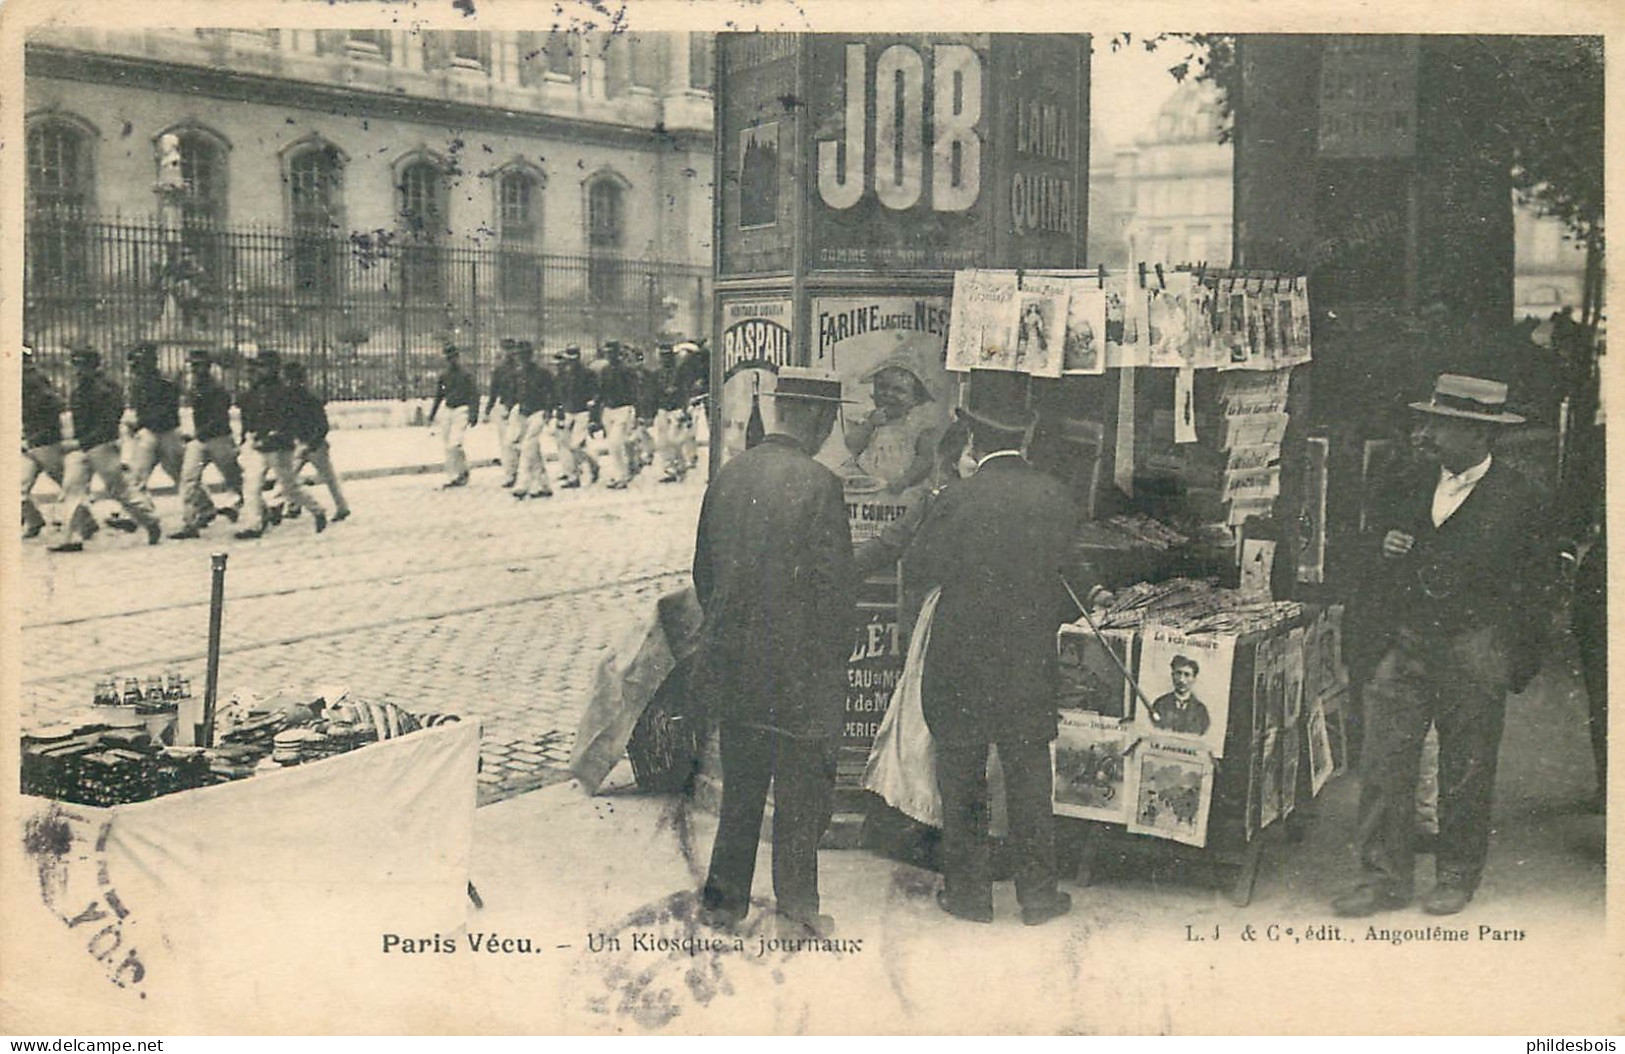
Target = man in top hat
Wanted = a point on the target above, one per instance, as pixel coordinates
(307, 419)
(155, 403)
(211, 442)
(268, 442)
(97, 406)
(500, 406)
(896, 441)
(42, 442)
(617, 398)
(996, 544)
(573, 390)
(458, 390)
(774, 574)
(533, 407)
(1453, 606)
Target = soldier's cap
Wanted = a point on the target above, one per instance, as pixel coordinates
(510, 344)
(687, 347)
(84, 354)
(28, 352)
(451, 349)
(199, 355)
(572, 351)
(809, 385)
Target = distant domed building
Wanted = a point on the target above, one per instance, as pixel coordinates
(1178, 182)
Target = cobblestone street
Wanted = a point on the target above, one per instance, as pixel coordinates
(461, 601)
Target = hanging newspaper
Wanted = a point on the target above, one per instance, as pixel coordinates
(1085, 350)
(1090, 767)
(1171, 788)
(982, 321)
(1187, 678)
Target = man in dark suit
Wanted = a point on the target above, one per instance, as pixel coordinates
(996, 543)
(1179, 710)
(1455, 604)
(774, 574)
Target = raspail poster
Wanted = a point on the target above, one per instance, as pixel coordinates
(1172, 789)
(1167, 312)
(1125, 322)
(756, 342)
(1090, 679)
(1085, 347)
(888, 352)
(1090, 767)
(982, 329)
(1186, 677)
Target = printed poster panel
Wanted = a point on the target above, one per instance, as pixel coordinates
(1085, 350)
(1207, 351)
(983, 329)
(1167, 328)
(1310, 523)
(1041, 325)
(1187, 679)
(1321, 763)
(1291, 754)
(1090, 768)
(1293, 681)
(1230, 325)
(1269, 792)
(1089, 679)
(757, 234)
(1368, 90)
(755, 344)
(900, 158)
(1172, 789)
(1125, 322)
(888, 351)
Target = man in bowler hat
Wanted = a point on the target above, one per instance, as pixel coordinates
(996, 544)
(774, 573)
(1454, 603)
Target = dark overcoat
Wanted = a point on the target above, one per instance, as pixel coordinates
(996, 543)
(774, 573)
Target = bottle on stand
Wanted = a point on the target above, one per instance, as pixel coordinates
(132, 691)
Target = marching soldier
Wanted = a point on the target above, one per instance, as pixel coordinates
(307, 416)
(97, 407)
(573, 388)
(535, 401)
(461, 395)
(501, 404)
(671, 404)
(617, 395)
(42, 442)
(268, 446)
(155, 405)
(211, 442)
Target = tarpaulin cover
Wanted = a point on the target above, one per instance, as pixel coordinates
(628, 677)
(196, 898)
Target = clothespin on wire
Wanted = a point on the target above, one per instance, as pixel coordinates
(1161, 281)
(1100, 275)
(1142, 274)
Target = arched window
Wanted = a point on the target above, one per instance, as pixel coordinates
(519, 228)
(421, 206)
(315, 178)
(605, 207)
(61, 192)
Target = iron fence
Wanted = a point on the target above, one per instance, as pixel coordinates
(367, 312)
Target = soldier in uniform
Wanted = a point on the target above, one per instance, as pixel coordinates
(268, 446)
(573, 388)
(671, 403)
(457, 389)
(617, 395)
(155, 405)
(211, 442)
(534, 405)
(307, 415)
(42, 442)
(500, 406)
(97, 406)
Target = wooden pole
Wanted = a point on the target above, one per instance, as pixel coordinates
(217, 603)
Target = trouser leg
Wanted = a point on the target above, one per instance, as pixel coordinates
(618, 431)
(507, 444)
(255, 465)
(1029, 798)
(104, 462)
(569, 469)
(1469, 717)
(967, 868)
(222, 451)
(747, 767)
(532, 462)
(1397, 715)
(321, 459)
(456, 431)
(580, 437)
(197, 508)
(287, 477)
(803, 800)
(33, 519)
(76, 477)
(143, 455)
(172, 454)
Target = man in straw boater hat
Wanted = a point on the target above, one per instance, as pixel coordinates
(1453, 606)
(774, 573)
(996, 544)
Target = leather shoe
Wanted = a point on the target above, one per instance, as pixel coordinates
(1446, 898)
(66, 547)
(154, 533)
(1051, 908)
(1367, 900)
(186, 532)
(320, 519)
(248, 533)
(800, 927)
(341, 515)
(968, 914)
(229, 512)
(725, 919)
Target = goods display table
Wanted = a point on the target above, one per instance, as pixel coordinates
(195, 898)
